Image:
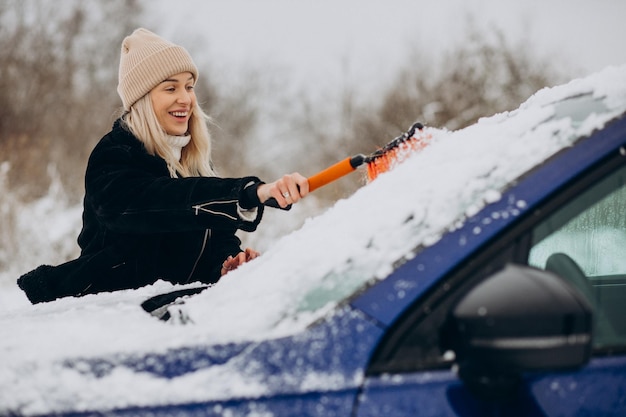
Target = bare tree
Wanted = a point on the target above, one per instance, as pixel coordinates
(58, 73)
(234, 113)
(479, 78)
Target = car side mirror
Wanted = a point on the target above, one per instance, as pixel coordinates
(518, 320)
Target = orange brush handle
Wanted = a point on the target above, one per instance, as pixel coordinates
(326, 176)
(334, 172)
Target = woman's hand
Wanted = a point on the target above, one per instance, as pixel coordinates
(287, 190)
(233, 262)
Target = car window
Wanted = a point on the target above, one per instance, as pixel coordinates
(584, 241)
(572, 228)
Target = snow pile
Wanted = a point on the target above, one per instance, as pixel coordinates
(303, 275)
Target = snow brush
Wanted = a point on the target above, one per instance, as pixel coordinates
(378, 162)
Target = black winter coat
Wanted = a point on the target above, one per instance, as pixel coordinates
(141, 225)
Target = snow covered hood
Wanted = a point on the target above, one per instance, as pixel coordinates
(305, 274)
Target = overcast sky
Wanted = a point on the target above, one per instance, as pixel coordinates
(329, 41)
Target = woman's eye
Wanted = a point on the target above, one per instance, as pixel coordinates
(190, 88)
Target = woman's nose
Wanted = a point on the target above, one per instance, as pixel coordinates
(184, 97)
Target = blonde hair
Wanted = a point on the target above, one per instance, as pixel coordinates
(195, 158)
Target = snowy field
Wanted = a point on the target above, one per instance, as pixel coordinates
(301, 277)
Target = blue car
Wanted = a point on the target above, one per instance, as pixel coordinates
(486, 275)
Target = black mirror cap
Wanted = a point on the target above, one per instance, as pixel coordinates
(518, 320)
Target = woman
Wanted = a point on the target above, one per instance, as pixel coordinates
(153, 207)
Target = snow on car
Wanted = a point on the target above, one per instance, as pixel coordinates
(287, 333)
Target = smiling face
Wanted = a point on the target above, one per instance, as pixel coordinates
(173, 101)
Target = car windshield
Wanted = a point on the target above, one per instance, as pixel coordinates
(307, 273)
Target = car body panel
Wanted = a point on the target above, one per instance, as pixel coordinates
(318, 372)
(441, 394)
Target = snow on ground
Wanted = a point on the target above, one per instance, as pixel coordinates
(43, 231)
(303, 275)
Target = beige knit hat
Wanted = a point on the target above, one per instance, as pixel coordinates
(146, 61)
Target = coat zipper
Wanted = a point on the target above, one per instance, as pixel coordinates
(207, 236)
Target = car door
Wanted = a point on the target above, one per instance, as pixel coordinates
(578, 234)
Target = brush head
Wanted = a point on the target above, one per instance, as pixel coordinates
(396, 151)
